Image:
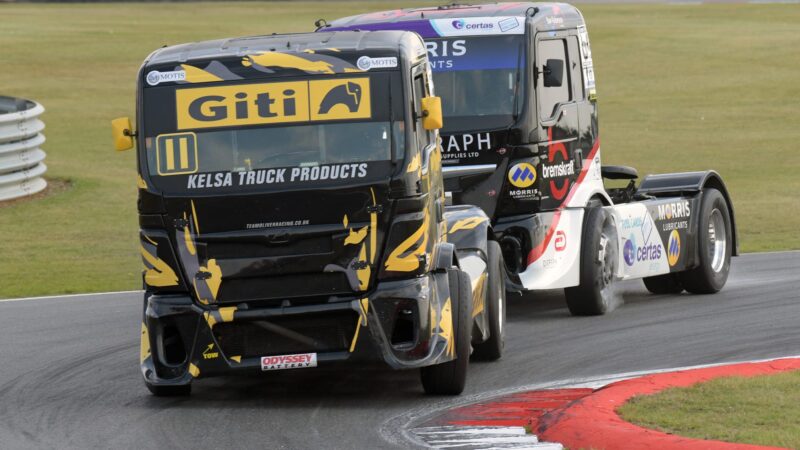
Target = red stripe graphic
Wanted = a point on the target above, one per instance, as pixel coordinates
(538, 251)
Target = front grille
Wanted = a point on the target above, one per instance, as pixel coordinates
(307, 333)
(283, 287)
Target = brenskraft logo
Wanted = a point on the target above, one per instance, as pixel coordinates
(562, 169)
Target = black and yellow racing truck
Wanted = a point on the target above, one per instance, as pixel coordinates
(292, 213)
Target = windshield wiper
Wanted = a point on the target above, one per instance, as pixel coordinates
(516, 84)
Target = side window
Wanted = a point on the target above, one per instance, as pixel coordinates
(550, 97)
(575, 71)
(423, 136)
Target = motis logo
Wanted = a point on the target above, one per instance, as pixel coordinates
(458, 24)
(629, 251)
(522, 175)
(348, 94)
(674, 248)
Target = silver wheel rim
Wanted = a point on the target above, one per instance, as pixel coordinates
(604, 256)
(500, 316)
(717, 240)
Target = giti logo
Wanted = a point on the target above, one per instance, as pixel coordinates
(347, 94)
(268, 103)
(674, 248)
(522, 175)
(176, 153)
(209, 352)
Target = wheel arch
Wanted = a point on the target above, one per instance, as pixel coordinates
(690, 183)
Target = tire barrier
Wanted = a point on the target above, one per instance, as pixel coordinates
(21, 159)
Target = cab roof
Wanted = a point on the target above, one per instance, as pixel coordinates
(361, 42)
(395, 19)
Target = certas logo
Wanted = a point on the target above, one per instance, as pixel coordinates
(674, 248)
(674, 210)
(267, 103)
(458, 24)
(560, 172)
(522, 175)
(348, 94)
(633, 253)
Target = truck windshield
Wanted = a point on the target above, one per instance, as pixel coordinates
(478, 79)
(270, 134)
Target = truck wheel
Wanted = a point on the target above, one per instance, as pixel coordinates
(169, 391)
(593, 295)
(492, 349)
(714, 245)
(669, 283)
(449, 378)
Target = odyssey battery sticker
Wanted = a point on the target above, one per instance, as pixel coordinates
(269, 103)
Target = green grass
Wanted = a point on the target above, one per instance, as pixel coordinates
(680, 88)
(760, 410)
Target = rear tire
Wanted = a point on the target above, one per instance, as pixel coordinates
(669, 283)
(492, 348)
(449, 378)
(714, 246)
(169, 391)
(593, 296)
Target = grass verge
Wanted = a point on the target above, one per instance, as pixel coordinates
(682, 87)
(763, 410)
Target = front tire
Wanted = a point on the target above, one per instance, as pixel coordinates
(714, 245)
(449, 378)
(492, 348)
(593, 296)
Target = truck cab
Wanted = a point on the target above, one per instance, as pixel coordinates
(521, 141)
(292, 212)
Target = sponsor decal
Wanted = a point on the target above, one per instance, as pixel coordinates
(286, 223)
(562, 169)
(635, 254)
(210, 353)
(674, 210)
(559, 172)
(155, 77)
(267, 103)
(176, 154)
(679, 225)
(561, 241)
(477, 26)
(298, 361)
(366, 63)
(465, 146)
(522, 175)
(674, 248)
(554, 20)
(261, 177)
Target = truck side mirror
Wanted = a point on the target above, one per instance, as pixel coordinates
(554, 73)
(122, 131)
(431, 113)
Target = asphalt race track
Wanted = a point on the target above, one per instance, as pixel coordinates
(69, 376)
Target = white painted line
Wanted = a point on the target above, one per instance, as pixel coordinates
(68, 296)
(450, 436)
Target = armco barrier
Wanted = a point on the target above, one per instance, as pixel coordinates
(21, 159)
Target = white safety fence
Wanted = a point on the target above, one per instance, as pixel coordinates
(21, 159)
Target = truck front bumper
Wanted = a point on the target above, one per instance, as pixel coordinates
(399, 322)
